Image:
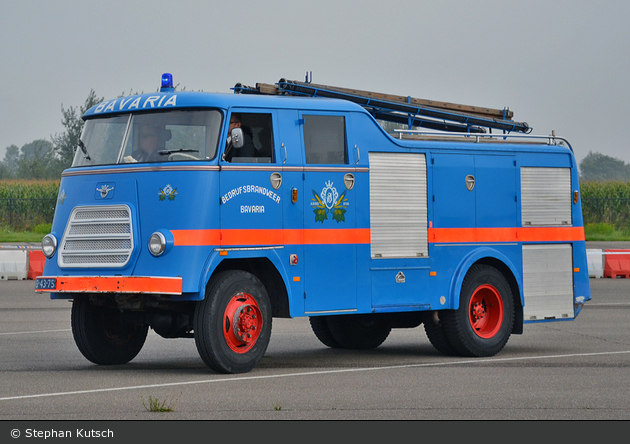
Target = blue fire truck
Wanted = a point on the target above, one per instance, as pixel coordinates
(207, 215)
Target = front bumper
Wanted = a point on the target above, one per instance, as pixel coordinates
(109, 284)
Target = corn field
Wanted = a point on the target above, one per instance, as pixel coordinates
(606, 202)
(25, 205)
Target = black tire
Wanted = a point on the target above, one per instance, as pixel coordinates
(319, 325)
(482, 324)
(435, 332)
(232, 325)
(104, 335)
(359, 332)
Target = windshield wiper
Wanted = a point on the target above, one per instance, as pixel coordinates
(84, 150)
(181, 150)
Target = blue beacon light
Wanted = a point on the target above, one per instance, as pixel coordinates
(167, 83)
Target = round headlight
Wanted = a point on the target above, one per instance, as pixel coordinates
(157, 244)
(49, 245)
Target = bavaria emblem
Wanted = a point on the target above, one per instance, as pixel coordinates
(168, 192)
(329, 201)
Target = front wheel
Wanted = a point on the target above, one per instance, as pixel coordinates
(105, 335)
(482, 324)
(232, 324)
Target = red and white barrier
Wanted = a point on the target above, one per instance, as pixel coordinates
(19, 262)
(610, 264)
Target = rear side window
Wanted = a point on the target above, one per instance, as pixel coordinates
(325, 139)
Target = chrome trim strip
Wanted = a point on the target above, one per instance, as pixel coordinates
(250, 248)
(250, 168)
(350, 310)
(144, 169)
(140, 169)
(477, 245)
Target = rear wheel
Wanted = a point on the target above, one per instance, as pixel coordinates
(358, 331)
(482, 324)
(104, 335)
(319, 325)
(232, 324)
(434, 330)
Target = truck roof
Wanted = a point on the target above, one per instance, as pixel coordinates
(188, 99)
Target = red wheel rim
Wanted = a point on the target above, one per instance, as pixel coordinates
(242, 322)
(485, 311)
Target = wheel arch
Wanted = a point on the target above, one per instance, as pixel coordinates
(496, 259)
(265, 270)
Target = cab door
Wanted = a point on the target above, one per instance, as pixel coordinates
(330, 249)
(250, 203)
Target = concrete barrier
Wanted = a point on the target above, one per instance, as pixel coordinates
(13, 264)
(595, 261)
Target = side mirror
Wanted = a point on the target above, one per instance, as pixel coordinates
(237, 138)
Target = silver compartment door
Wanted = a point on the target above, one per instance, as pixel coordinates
(398, 205)
(548, 282)
(545, 196)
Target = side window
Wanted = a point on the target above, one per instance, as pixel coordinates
(325, 139)
(258, 137)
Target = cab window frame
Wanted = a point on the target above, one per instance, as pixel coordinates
(259, 127)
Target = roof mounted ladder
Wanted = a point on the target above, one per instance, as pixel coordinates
(399, 109)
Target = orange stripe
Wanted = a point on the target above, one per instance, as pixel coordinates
(116, 284)
(335, 236)
(251, 237)
(246, 237)
(319, 236)
(196, 237)
(525, 234)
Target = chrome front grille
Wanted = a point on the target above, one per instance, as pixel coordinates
(97, 237)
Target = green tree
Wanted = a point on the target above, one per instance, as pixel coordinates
(597, 167)
(36, 161)
(5, 173)
(9, 163)
(66, 143)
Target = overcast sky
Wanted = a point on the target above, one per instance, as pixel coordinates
(558, 65)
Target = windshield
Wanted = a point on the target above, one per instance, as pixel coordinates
(151, 137)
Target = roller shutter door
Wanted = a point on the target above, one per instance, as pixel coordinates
(545, 196)
(548, 281)
(398, 205)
